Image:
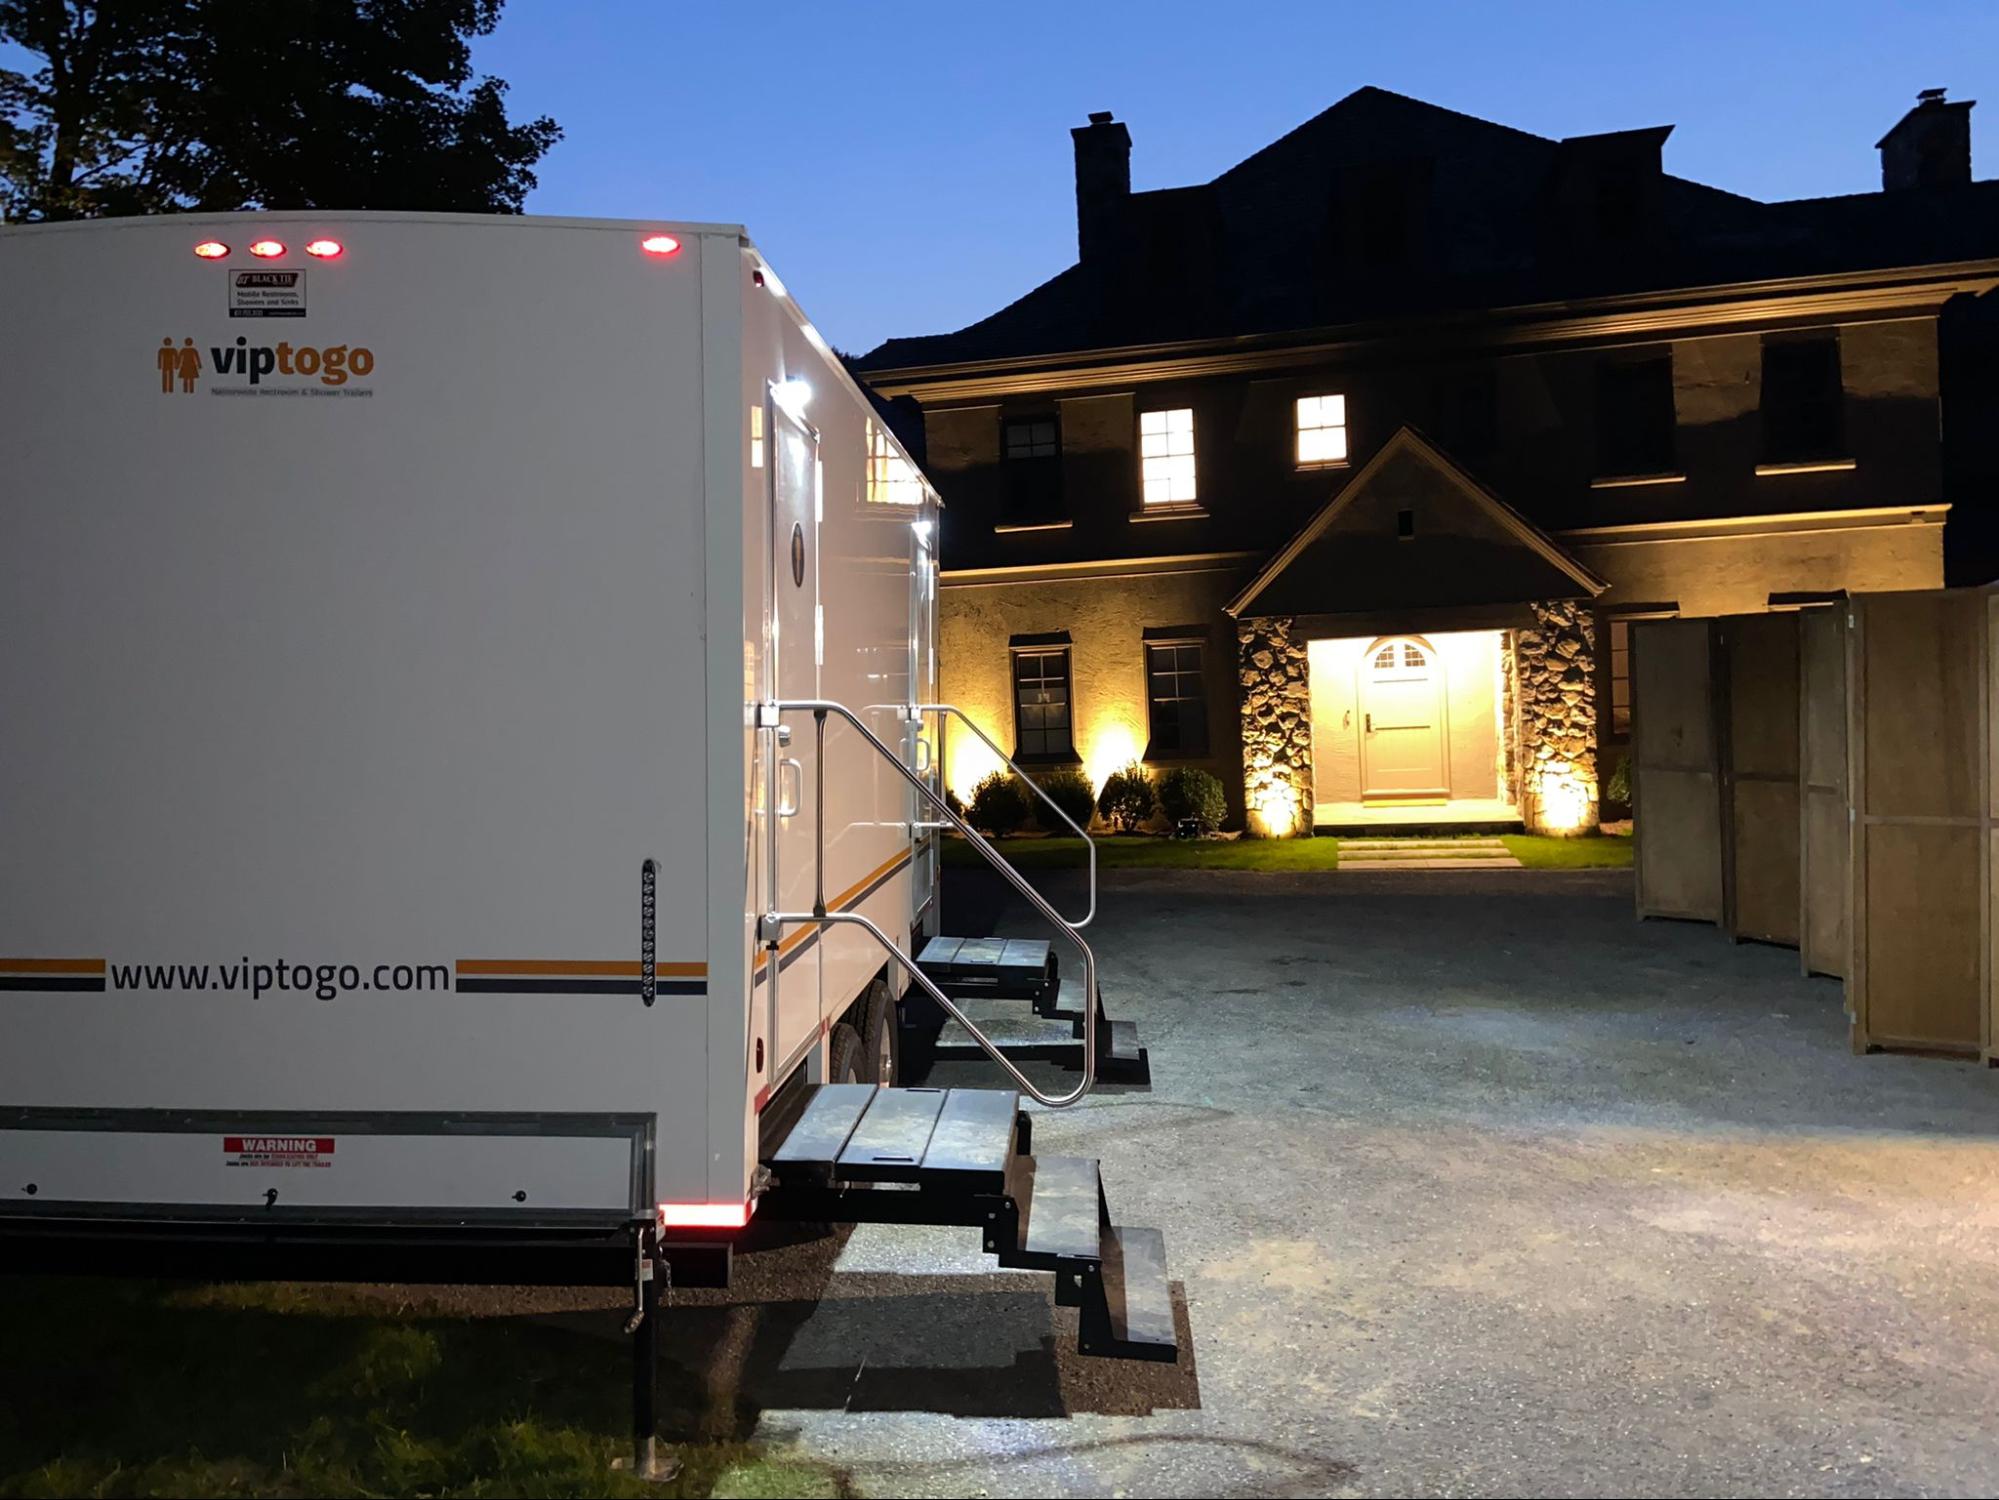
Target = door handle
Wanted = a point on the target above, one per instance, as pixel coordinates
(1370, 723)
(790, 809)
(923, 756)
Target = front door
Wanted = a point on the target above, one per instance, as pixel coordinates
(1402, 721)
(791, 975)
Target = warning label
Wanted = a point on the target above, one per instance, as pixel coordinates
(277, 1150)
(267, 294)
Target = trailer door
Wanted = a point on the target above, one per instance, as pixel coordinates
(791, 976)
(926, 732)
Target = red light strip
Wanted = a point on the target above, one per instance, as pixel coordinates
(704, 1215)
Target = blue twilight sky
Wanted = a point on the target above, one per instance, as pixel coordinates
(907, 167)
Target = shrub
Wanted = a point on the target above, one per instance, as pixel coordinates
(1070, 789)
(998, 805)
(1190, 792)
(951, 801)
(1619, 787)
(1126, 800)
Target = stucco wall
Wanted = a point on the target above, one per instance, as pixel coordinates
(1106, 619)
(1470, 661)
(1737, 575)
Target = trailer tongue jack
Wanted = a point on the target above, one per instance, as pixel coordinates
(652, 1269)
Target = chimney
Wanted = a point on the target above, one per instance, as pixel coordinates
(1103, 183)
(1930, 146)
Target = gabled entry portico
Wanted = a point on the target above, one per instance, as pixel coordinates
(1418, 654)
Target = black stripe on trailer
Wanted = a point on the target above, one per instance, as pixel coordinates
(578, 986)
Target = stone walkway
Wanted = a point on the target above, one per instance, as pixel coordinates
(1426, 854)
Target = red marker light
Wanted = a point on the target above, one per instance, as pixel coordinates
(324, 249)
(265, 249)
(660, 244)
(211, 249)
(704, 1215)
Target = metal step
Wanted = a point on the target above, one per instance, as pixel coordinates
(865, 1155)
(958, 1140)
(1050, 1039)
(1060, 1203)
(1011, 968)
(1134, 1317)
(1065, 1002)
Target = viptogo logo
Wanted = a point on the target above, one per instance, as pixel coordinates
(181, 365)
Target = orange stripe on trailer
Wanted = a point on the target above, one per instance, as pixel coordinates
(606, 968)
(51, 966)
(839, 902)
(886, 867)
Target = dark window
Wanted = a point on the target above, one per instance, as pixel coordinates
(1634, 416)
(1031, 453)
(1031, 437)
(1178, 699)
(1803, 400)
(1620, 679)
(1614, 686)
(1041, 705)
(1405, 525)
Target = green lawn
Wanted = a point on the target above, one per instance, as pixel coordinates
(1142, 852)
(136, 1388)
(1594, 852)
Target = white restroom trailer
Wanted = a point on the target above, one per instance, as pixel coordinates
(397, 618)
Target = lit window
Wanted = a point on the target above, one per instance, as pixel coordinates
(1322, 430)
(1166, 456)
(892, 479)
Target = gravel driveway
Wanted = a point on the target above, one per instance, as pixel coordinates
(1474, 1185)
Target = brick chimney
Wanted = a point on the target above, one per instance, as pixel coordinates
(1930, 146)
(1103, 183)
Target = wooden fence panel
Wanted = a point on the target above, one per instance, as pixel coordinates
(1675, 784)
(1758, 658)
(1916, 709)
(1822, 825)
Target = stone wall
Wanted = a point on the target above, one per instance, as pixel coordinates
(1555, 666)
(1276, 728)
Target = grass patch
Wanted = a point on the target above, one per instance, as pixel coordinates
(1143, 852)
(134, 1388)
(1140, 852)
(1597, 851)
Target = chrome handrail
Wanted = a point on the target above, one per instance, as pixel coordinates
(1089, 844)
(774, 920)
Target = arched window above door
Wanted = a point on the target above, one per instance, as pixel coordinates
(1399, 655)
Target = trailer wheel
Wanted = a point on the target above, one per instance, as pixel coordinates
(844, 1057)
(881, 1036)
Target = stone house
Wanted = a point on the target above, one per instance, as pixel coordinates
(1344, 474)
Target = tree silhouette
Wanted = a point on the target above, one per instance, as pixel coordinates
(151, 106)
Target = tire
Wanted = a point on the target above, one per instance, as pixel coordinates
(844, 1057)
(881, 1038)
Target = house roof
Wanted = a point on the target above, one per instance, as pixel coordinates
(1465, 546)
(1255, 251)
